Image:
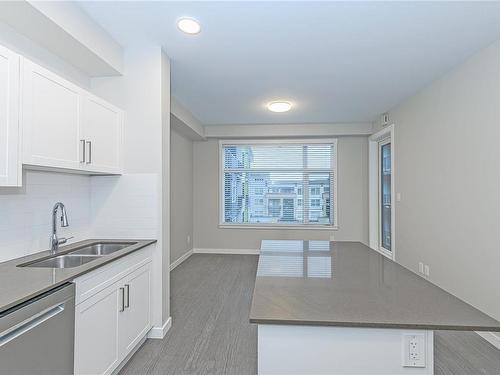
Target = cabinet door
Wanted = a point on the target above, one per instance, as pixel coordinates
(134, 322)
(50, 119)
(102, 128)
(96, 332)
(10, 165)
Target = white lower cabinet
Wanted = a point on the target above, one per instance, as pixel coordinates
(113, 314)
(96, 328)
(134, 322)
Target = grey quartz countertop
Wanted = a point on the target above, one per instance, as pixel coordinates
(348, 284)
(19, 284)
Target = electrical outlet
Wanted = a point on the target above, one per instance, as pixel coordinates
(398, 197)
(426, 270)
(188, 240)
(414, 350)
(421, 267)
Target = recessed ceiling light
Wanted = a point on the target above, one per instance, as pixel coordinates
(279, 106)
(188, 25)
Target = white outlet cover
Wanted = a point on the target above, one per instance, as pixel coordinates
(414, 349)
(426, 270)
(420, 267)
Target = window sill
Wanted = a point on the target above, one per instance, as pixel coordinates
(274, 227)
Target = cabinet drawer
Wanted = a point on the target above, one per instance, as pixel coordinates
(91, 283)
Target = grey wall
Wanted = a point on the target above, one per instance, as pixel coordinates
(448, 173)
(181, 193)
(352, 200)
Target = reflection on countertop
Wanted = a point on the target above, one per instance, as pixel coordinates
(293, 258)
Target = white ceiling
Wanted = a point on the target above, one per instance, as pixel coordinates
(336, 61)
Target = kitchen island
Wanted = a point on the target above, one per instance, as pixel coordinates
(342, 308)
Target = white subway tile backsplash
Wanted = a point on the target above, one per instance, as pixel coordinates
(125, 207)
(98, 207)
(25, 213)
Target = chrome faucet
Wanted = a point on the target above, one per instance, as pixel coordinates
(54, 240)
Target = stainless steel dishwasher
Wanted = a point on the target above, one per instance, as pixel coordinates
(37, 336)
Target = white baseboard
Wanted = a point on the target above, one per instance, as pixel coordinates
(181, 259)
(226, 251)
(160, 332)
(492, 337)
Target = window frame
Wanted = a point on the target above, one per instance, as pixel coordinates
(333, 184)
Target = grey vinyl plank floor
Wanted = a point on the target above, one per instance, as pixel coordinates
(210, 334)
(210, 304)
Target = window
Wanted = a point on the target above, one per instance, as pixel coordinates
(267, 183)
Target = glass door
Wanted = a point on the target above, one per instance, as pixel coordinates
(385, 195)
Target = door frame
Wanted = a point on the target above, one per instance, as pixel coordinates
(374, 141)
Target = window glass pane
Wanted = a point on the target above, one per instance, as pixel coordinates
(319, 156)
(269, 198)
(264, 156)
(385, 195)
(319, 200)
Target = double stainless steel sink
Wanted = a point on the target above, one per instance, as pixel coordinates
(80, 255)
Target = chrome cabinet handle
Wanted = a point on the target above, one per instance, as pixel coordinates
(30, 323)
(82, 160)
(127, 288)
(122, 291)
(89, 143)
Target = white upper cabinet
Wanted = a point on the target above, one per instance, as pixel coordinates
(50, 119)
(66, 127)
(10, 165)
(102, 132)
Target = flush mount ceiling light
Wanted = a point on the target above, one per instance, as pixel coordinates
(188, 25)
(279, 106)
